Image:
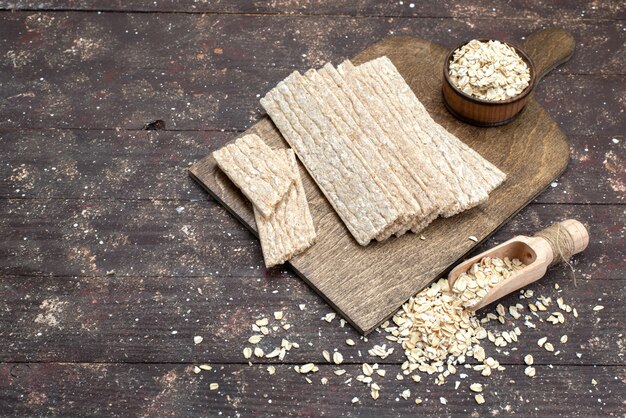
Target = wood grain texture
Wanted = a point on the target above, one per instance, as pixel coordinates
(154, 319)
(55, 72)
(133, 182)
(525, 9)
(201, 238)
(172, 389)
(140, 165)
(367, 284)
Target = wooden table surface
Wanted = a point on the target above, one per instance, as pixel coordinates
(112, 259)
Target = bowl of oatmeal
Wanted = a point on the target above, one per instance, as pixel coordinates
(487, 82)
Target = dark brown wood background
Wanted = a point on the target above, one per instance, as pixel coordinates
(105, 239)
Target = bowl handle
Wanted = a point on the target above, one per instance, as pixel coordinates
(549, 48)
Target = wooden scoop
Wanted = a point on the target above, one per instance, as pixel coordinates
(548, 247)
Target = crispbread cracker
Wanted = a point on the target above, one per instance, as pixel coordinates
(353, 118)
(416, 172)
(252, 166)
(331, 160)
(289, 230)
(460, 164)
(382, 162)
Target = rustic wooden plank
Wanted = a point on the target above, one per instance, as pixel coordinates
(581, 9)
(205, 71)
(153, 165)
(149, 238)
(154, 319)
(170, 389)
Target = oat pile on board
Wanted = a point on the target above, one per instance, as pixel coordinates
(489, 70)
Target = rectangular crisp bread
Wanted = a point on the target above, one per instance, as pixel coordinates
(410, 165)
(353, 118)
(255, 170)
(472, 175)
(331, 159)
(289, 230)
(379, 158)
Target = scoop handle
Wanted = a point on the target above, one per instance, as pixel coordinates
(566, 238)
(549, 48)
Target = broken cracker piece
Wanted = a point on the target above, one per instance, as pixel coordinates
(255, 170)
(289, 230)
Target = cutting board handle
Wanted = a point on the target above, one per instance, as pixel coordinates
(549, 48)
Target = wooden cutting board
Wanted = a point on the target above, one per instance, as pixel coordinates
(368, 284)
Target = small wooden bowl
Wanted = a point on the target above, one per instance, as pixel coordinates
(481, 112)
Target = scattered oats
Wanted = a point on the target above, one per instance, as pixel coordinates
(329, 317)
(374, 394)
(548, 347)
(350, 341)
(355, 400)
(205, 367)
(594, 382)
(309, 381)
(579, 355)
(214, 386)
(418, 401)
(278, 315)
(542, 341)
(443, 400)
(381, 372)
(563, 339)
(528, 359)
(340, 372)
(274, 353)
(324, 381)
(196, 369)
(342, 322)
(598, 308)
(262, 322)
(406, 394)
(337, 357)
(255, 339)
(326, 355)
(265, 330)
(367, 369)
(529, 371)
(271, 369)
(247, 352)
(306, 368)
(286, 326)
(476, 387)
(258, 352)
(302, 306)
(197, 339)
(416, 378)
(472, 238)
(575, 312)
(480, 399)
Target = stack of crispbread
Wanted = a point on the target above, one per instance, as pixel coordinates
(271, 181)
(384, 165)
